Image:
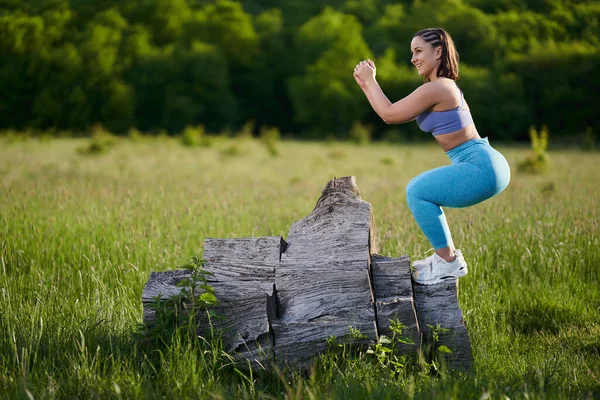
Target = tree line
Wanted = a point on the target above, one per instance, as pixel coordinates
(162, 65)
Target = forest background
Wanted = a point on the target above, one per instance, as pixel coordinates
(159, 66)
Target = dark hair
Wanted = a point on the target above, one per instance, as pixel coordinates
(439, 37)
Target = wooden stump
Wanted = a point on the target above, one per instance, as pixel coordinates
(394, 298)
(438, 305)
(322, 281)
(280, 301)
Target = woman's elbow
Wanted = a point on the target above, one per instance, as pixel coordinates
(395, 119)
(389, 118)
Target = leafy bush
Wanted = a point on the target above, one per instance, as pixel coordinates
(134, 134)
(246, 131)
(537, 160)
(101, 141)
(270, 137)
(12, 136)
(192, 136)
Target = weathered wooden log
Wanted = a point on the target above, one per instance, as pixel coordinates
(281, 301)
(243, 275)
(163, 284)
(322, 282)
(394, 298)
(437, 306)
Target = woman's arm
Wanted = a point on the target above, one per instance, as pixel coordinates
(404, 110)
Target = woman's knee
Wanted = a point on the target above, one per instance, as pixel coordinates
(413, 192)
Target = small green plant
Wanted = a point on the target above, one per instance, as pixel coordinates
(192, 136)
(270, 137)
(386, 351)
(537, 160)
(355, 333)
(360, 134)
(246, 131)
(101, 141)
(134, 135)
(332, 342)
(438, 351)
(178, 312)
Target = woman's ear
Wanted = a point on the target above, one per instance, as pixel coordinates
(438, 52)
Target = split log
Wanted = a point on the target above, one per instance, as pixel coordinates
(282, 300)
(322, 282)
(243, 275)
(394, 298)
(437, 305)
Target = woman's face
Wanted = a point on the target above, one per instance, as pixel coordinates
(425, 57)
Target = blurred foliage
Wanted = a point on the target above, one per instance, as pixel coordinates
(360, 134)
(101, 141)
(270, 138)
(537, 160)
(164, 65)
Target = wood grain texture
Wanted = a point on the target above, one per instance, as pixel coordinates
(328, 249)
(391, 276)
(394, 298)
(297, 344)
(438, 304)
(243, 275)
(164, 284)
(323, 280)
(257, 251)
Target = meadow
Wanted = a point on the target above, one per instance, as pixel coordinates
(79, 235)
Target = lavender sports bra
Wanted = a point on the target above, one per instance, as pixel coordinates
(442, 122)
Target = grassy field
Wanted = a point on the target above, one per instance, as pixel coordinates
(79, 235)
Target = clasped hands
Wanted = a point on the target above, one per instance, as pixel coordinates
(364, 72)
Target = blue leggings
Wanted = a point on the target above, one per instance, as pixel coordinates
(477, 173)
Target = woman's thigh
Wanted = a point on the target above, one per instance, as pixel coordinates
(457, 185)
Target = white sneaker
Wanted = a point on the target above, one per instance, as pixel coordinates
(435, 269)
(418, 264)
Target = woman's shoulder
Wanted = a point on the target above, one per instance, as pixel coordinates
(440, 87)
(441, 84)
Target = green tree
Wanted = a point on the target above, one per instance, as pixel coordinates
(552, 79)
(266, 100)
(166, 19)
(226, 25)
(326, 95)
(520, 31)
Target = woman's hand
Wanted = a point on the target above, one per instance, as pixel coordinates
(364, 72)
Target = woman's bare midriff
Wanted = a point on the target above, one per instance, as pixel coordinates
(454, 139)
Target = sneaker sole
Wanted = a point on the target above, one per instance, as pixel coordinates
(454, 275)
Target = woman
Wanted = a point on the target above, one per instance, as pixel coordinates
(477, 171)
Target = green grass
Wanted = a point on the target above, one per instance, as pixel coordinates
(79, 235)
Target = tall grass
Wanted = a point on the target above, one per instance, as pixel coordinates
(79, 236)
